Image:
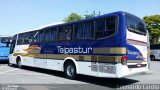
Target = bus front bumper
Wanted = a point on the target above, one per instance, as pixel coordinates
(4, 58)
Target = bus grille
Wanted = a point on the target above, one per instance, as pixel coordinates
(103, 68)
(94, 68)
(107, 69)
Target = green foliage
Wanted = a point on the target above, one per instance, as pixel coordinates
(73, 17)
(153, 26)
(90, 15)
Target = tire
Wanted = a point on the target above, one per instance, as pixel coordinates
(152, 58)
(19, 63)
(9, 64)
(70, 70)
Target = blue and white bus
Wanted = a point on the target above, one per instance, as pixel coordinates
(4, 48)
(112, 45)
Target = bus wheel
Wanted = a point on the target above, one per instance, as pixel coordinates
(19, 63)
(70, 70)
(152, 58)
(9, 64)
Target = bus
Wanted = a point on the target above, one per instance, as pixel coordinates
(113, 45)
(4, 48)
(155, 52)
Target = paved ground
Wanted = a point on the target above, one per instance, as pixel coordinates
(32, 79)
(151, 77)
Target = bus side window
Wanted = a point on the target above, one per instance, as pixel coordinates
(65, 32)
(20, 41)
(69, 30)
(40, 36)
(61, 33)
(79, 31)
(89, 30)
(105, 27)
(110, 26)
(84, 30)
(48, 35)
(100, 28)
(51, 34)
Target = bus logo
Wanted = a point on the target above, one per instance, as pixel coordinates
(74, 50)
(35, 47)
(140, 56)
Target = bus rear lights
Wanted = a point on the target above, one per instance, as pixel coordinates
(124, 60)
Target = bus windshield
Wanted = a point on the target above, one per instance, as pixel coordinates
(155, 46)
(5, 41)
(135, 24)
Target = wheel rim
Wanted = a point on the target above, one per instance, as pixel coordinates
(70, 70)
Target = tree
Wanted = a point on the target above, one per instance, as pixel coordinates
(73, 17)
(153, 26)
(89, 15)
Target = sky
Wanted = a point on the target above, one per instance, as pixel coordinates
(23, 15)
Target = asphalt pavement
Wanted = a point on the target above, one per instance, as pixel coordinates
(12, 78)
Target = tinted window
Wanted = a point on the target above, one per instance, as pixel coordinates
(155, 46)
(84, 30)
(35, 36)
(65, 32)
(40, 36)
(89, 30)
(79, 31)
(62, 33)
(20, 39)
(5, 41)
(105, 27)
(25, 38)
(69, 30)
(51, 34)
(136, 25)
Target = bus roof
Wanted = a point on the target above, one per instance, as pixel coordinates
(63, 23)
(5, 36)
(109, 14)
(43, 26)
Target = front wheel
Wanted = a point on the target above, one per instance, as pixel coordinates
(9, 64)
(152, 58)
(19, 63)
(70, 70)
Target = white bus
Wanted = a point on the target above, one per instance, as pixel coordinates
(155, 52)
(112, 45)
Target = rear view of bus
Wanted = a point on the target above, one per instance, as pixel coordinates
(135, 60)
(4, 48)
